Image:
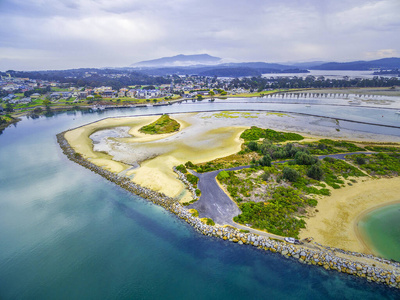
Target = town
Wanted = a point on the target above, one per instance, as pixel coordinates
(44, 93)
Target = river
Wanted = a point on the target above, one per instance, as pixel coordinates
(67, 233)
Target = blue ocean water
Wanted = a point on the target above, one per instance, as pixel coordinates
(67, 233)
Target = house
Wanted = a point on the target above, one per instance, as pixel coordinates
(131, 93)
(35, 95)
(121, 93)
(108, 94)
(141, 94)
(82, 95)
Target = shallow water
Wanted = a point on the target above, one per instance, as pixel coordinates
(381, 230)
(67, 233)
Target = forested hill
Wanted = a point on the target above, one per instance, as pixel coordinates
(384, 63)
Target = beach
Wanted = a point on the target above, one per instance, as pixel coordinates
(335, 223)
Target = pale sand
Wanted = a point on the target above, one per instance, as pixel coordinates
(157, 173)
(335, 224)
(80, 141)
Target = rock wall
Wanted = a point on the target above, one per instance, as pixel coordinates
(325, 258)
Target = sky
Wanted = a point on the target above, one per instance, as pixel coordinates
(64, 34)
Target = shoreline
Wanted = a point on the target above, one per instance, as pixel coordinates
(335, 224)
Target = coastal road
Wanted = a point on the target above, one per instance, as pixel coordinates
(214, 203)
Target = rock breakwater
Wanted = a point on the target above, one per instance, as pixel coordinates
(387, 273)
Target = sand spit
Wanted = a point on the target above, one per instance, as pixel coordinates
(365, 266)
(207, 136)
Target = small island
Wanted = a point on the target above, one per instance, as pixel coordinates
(163, 125)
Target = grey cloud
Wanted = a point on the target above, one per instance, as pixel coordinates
(117, 33)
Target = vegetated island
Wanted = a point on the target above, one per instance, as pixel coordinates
(281, 197)
(163, 125)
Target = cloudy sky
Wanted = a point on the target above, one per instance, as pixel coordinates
(61, 34)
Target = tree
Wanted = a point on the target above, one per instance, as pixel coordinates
(199, 97)
(265, 161)
(253, 146)
(315, 172)
(9, 107)
(303, 158)
(360, 160)
(290, 174)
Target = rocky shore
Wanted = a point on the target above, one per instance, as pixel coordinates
(330, 258)
(189, 186)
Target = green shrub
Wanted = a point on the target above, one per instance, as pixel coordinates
(303, 158)
(315, 172)
(222, 175)
(192, 179)
(210, 222)
(360, 160)
(181, 168)
(290, 174)
(189, 165)
(312, 202)
(265, 176)
(265, 161)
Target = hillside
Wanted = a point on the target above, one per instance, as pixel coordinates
(384, 63)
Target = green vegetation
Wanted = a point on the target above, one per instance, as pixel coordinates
(182, 168)
(208, 221)
(326, 146)
(277, 216)
(382, 163)
(290, 174)
(192, 179)
(194, 212)
(163, 125)
(333, 168)
(315, 172)
(255, 133)
(382, 148)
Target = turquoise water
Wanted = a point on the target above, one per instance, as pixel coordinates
(67, 233)
(381, 229)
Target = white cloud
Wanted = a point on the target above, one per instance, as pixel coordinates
(382, 53)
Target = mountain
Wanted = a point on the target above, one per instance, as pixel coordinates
(384, 63)
(180, 60)
(207, 65)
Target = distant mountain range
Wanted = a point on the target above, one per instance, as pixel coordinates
(207, 65)
(384, 63)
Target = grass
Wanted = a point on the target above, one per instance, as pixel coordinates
(163, 125)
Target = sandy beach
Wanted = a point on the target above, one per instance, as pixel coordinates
(335, 223)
